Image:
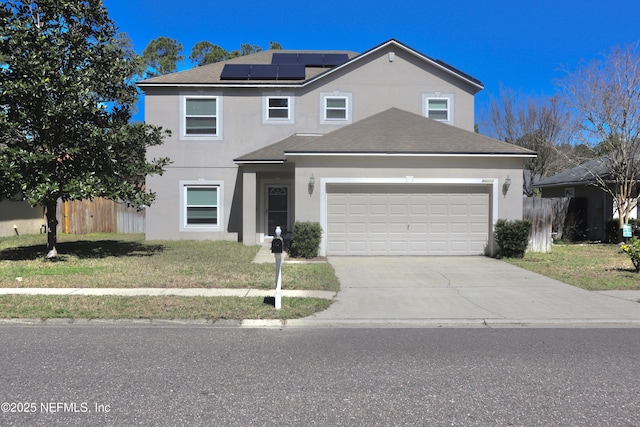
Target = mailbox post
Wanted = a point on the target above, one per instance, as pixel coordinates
(277, 245)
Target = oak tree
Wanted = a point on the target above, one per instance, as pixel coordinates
(66, 99)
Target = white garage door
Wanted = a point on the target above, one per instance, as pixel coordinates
(407, 220)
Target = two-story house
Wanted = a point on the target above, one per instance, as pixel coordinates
(377, 147)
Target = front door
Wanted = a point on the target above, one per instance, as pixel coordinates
(277, 209)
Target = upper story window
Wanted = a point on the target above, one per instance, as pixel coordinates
(438, 107)
(336, 108)
(278, 109)
(201, 116)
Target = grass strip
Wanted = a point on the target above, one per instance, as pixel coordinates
(154, 307)
(587, 266)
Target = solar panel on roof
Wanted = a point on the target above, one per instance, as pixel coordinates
(310, 59)
(235, 72)
(263, 72)
(291, 72)
(334, 59)
(284, 58)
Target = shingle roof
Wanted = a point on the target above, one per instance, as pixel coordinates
(275, 152)
(582, 174)
(210, 73)
(392, 131)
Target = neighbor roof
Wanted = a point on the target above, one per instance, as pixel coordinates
(392, 132)
(209, 75)
(581, 174)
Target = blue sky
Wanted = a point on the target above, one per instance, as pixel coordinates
(521, 45)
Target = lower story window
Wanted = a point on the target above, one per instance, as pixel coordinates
(201, 206)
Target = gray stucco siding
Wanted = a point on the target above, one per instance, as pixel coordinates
(163, 218)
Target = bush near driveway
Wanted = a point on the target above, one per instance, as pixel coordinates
(588, 266)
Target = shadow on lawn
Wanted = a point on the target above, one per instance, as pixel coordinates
(84, 250)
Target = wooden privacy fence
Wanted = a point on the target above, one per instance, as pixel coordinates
(98, 216)
(547, 218)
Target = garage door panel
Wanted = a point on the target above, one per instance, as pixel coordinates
(421, 247)
(459, 228)
(439, 228)
(398, 247)
(378, 228)
(419, 228)
(439, 209)
(378, 210)
(438, 246)
(398, 210)
(336, 228)
(358, 246)
(357, 228)
(396, 228)
(407, 220)
(357, 209)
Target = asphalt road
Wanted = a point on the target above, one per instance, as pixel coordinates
(152, 375)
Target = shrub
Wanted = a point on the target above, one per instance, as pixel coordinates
(305, 241)
(613, 229)
(632, 248)
(512, 237)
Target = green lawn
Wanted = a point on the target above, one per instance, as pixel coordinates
(588, 266)
(127, 261)
(154, 307)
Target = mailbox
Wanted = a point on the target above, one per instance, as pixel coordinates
(277, 245)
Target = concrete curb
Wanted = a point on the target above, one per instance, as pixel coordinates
(337, 323)
(191, 292)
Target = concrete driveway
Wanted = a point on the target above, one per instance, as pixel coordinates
(432, 291)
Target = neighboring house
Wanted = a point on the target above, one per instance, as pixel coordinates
(592, 206)
(19, 217)
(378, 148)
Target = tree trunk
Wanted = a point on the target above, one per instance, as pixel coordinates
(52, 228)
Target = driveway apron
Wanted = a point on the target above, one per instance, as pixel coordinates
(462, 290)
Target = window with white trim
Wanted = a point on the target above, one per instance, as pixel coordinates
(278, 109)
(336, 108)
(201, 116)
(201, 206)
(438, 107)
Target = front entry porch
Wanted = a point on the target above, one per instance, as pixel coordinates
(268, 201)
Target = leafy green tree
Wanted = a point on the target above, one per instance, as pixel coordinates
(161, 56)
(245, 49)
(66, 97)
(275, 46)
(205, 52)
